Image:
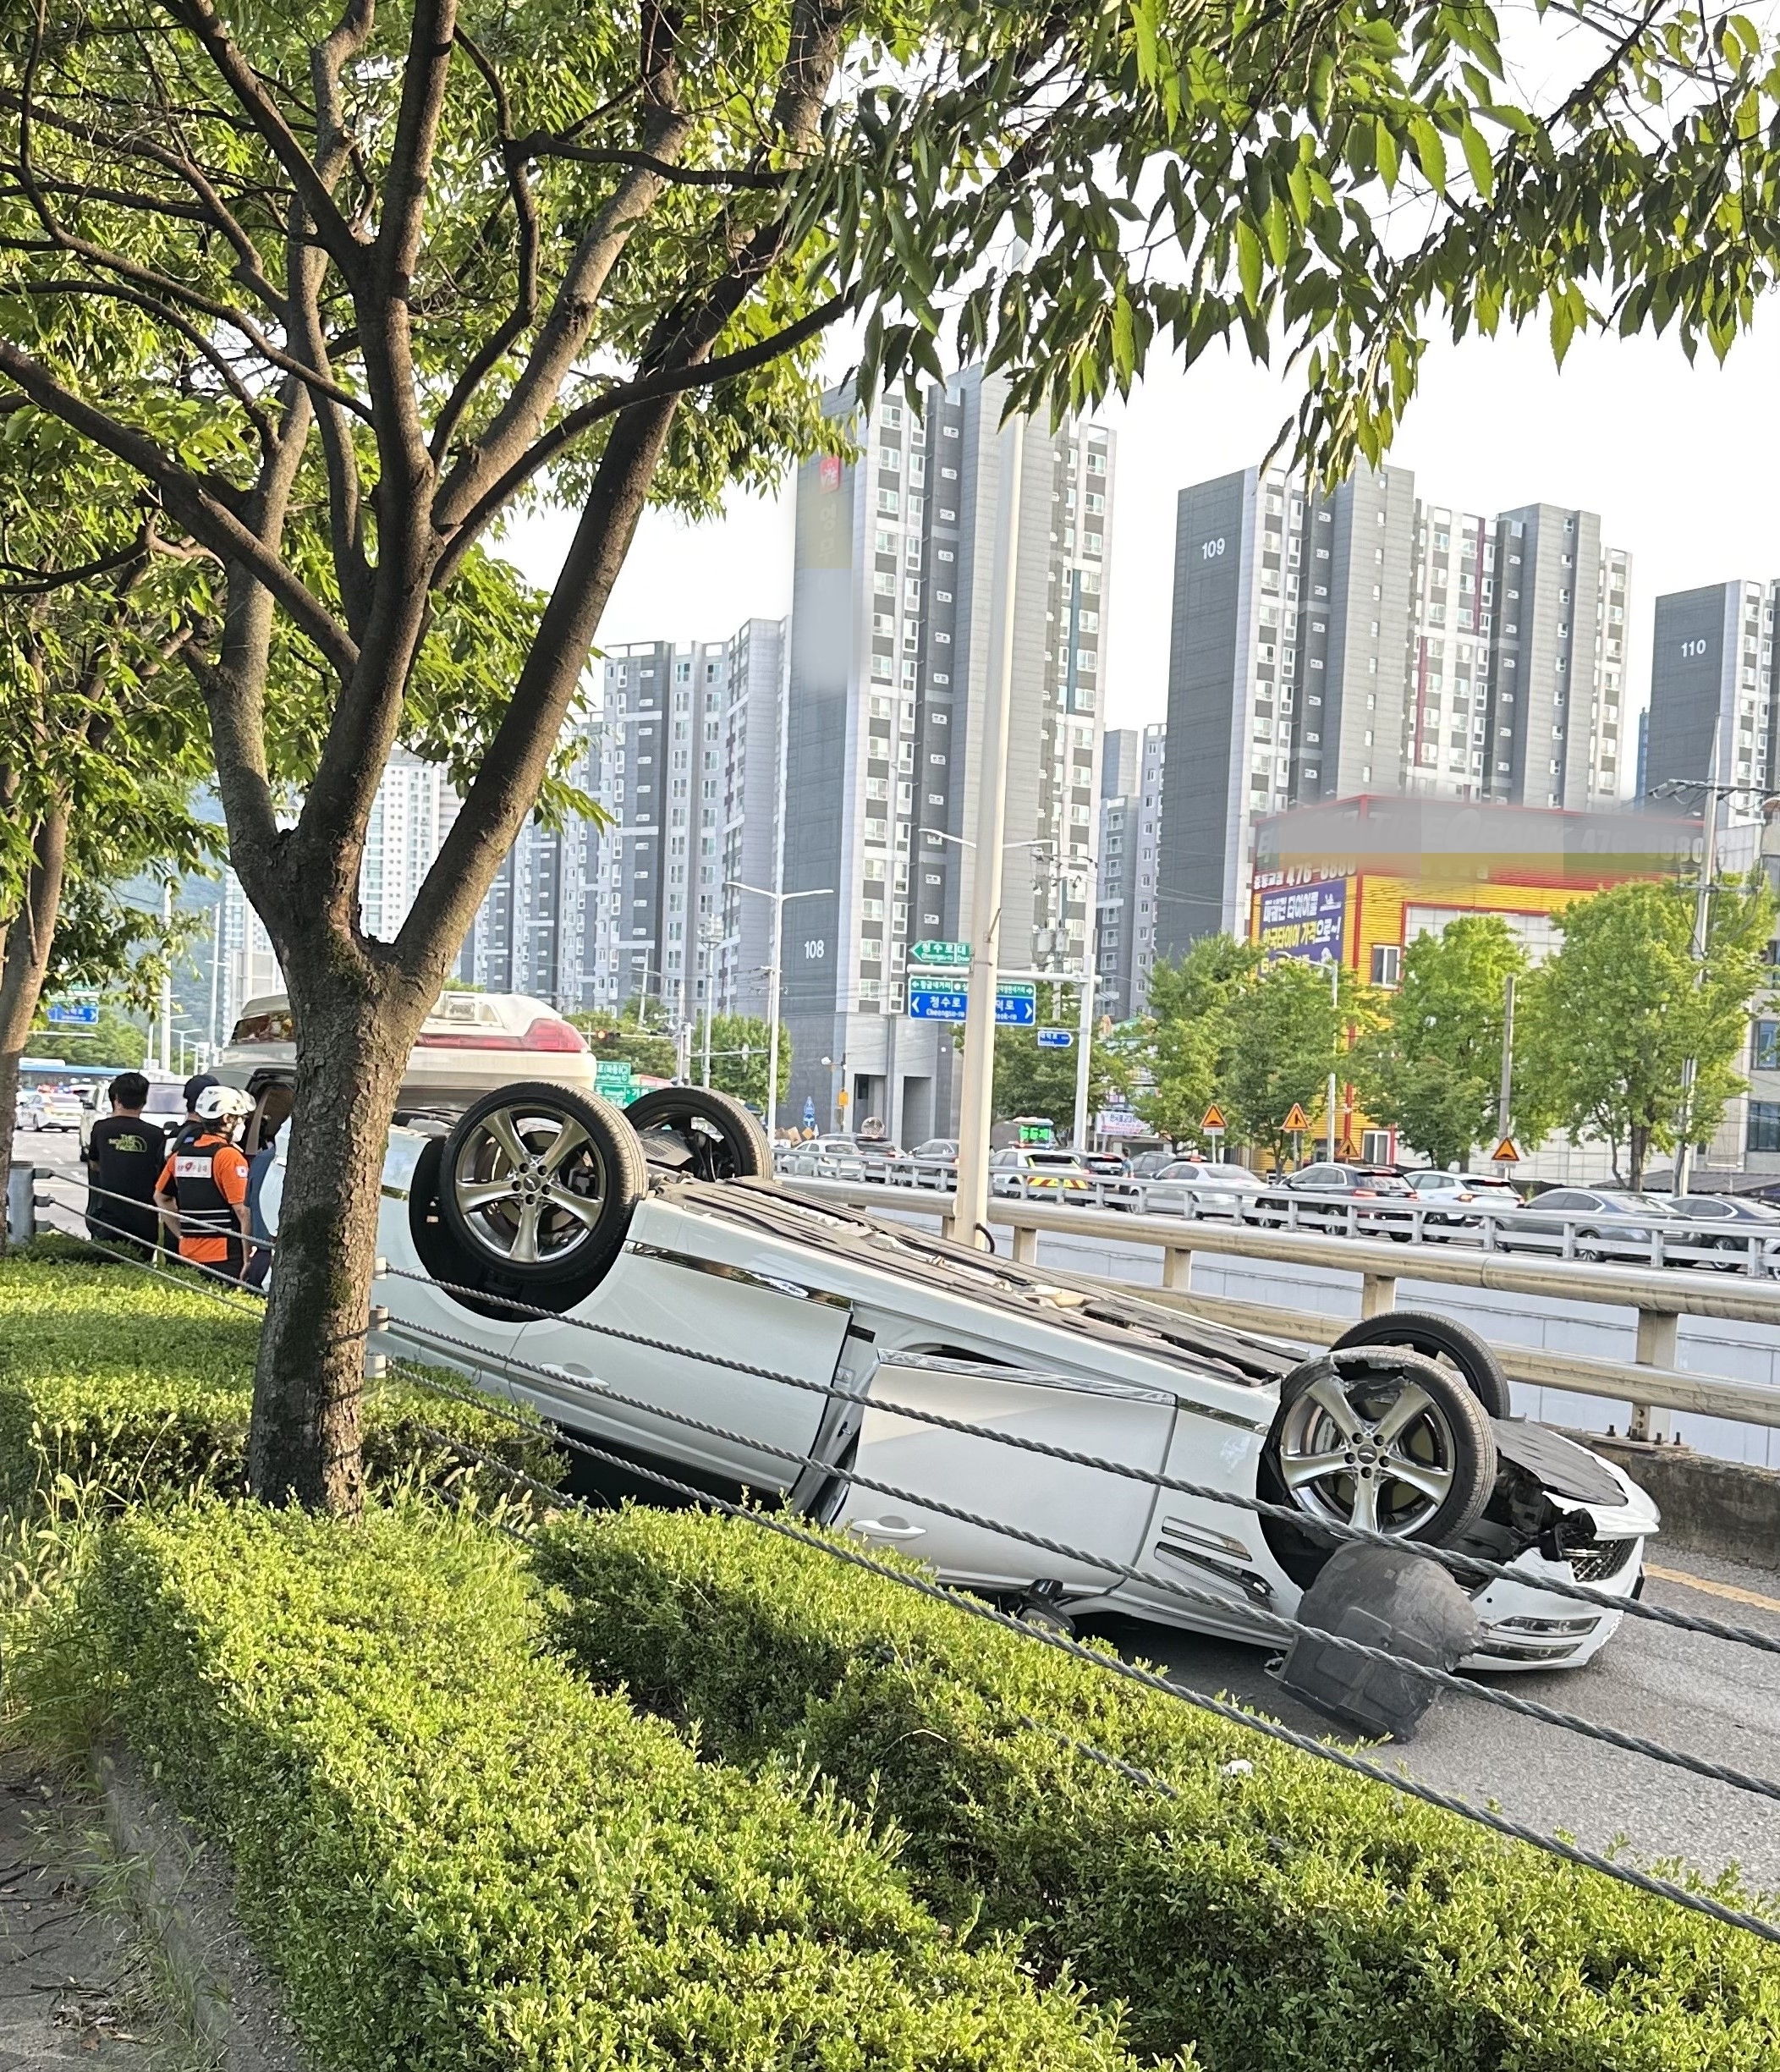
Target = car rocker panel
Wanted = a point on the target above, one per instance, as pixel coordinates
(870, 1320)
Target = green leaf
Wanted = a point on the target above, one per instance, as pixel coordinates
(1249, 261)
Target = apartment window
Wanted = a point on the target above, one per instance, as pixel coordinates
(1763, 1126)
(1764, 1047)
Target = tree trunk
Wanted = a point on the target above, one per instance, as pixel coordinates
(25, 951)
(1637, 1150)
(309, 1376)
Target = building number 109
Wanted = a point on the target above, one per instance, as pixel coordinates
(1210, 549)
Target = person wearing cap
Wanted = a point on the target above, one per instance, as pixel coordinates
(203, 1192)
(196, 1086)
(124, 1156)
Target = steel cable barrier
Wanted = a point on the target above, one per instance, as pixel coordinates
(418, 1375)
(1466, 1567)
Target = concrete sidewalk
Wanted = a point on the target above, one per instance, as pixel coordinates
(75, 1987)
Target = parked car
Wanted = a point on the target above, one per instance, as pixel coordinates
(1145, 1165)
(1106, 1165)
(1193, 1188)
(1610, 1223)
(1740, 1226)
(1033, 1173)
(28, 1108)
(883, 1160)
(471, 1042)
(825, 1158)
(647, 1298)
(934, 1163)
(1454, 1192)
(1323, 1193)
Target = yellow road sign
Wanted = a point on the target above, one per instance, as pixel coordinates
(1213, 1117)
(1297, 1120)
(1506, 1153)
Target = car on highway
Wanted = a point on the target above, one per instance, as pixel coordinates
(1740, 1227)
(933, 1162)
(1145, 1165)
(1335, 1196)
(1451, 1194)
(1193, 1188)
(1609, 1223)
(56, 1108)
(471, 1042)
(1033, 1173)
(824, 1158)
(636, 1278)
(1106, 1165)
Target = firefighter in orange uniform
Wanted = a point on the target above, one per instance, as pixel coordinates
(202, 1191)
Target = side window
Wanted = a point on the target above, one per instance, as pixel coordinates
(1561, 1200)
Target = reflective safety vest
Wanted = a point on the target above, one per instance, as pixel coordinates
(204, 1210)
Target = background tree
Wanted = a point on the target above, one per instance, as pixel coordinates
(1433, 1070)
(1187, 1039)
(1033, 1081)
(638, 1035)
(379, 273)
(1613, 1017)
(740, 1045)
(1283, 1031)
(99, 747)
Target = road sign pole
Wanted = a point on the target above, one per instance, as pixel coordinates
(971, 1197)
(1506, 1096)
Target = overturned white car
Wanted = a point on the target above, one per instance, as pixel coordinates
(568, 1254)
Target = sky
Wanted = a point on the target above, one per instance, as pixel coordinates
(1679, 461)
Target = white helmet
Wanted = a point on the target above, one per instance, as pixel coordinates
(219, 1103)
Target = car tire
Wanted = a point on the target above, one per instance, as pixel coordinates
(513, 1215)
(1447, 1440)
(705, 1135)
(1446, 1343)
(1587, 1254)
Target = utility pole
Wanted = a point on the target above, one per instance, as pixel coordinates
(1334, 1069)
(1504, 1099)
(1084, 1016)
(1702, 937)
(971, 1200)
(710, 934)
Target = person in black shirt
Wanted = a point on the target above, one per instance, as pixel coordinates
(124, 1160)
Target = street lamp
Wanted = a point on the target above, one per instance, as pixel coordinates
(710, 934)
(774, 973)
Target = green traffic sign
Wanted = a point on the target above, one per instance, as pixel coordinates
(615, 1081)
(940, 952)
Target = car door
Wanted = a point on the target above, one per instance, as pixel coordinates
(1083, 1508)
(1543, 1223)
(687, 1294)
(1319, 1182)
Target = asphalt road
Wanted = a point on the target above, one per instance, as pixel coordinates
(1708, 1696)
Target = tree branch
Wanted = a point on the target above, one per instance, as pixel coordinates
(653, 387)
(347, 251)
(198, 505)
(525, 215)
(542, 145)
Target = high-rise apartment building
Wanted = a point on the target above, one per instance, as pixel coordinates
(1715, 685)
(1131, 817)
(889, 670)
(756, 689)
(1365, 640)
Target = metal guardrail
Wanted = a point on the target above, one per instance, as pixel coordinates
(1651, 1383)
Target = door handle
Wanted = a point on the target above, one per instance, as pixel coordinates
(886, 1529)
(568, 1371)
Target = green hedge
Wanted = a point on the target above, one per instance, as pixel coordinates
(1285, 1917)
(455, 1855)
(126, 1384)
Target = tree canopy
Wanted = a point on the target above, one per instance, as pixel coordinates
(342, 286)
(1433, 1069)
(739, 1046)
(1612, 1020)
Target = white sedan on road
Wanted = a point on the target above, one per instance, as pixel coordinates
(625, 1270)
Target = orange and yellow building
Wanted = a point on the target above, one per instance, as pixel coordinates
(1358, 879)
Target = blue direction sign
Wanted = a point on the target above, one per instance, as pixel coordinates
(934, 999)
(84, 1014)
(936, 1002)
(1055, 1039)
(809, 1112)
